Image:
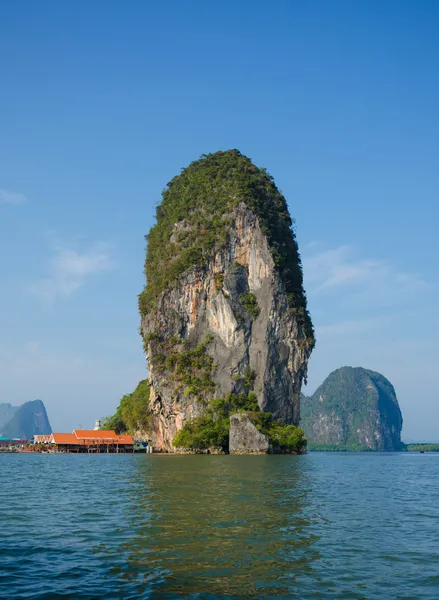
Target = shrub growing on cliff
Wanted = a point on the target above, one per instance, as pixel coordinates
(189, 368)
(132, 412)
(202, 433)
(282, 438)
(219, 281)
(250, 304)
(192, 220)
(212, 429)
(287, 438)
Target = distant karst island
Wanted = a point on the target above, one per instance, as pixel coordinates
(25, 421)
(353, 409)
(227, 333)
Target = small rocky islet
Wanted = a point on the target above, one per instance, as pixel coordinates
(224, 319)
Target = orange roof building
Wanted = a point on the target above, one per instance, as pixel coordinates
(64, 438)
(91, 438)
(125, 439)
(106, 435)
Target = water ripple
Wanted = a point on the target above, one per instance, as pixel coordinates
(354, 526)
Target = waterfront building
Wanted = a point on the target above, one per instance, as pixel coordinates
(7, 444)
(142, 446)
(92, 440)
(42, 439)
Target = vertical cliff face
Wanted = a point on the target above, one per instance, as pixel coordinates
(224, 309)
(353, 408)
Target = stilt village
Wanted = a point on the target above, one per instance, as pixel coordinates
(95, 440)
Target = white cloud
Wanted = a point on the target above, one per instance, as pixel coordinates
(69, 270)
(352, 326)
(362, 281)
(7, 197)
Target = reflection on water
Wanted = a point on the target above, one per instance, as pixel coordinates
(222, 526)
(341, 526)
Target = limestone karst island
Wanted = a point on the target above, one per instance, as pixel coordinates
(224, 315)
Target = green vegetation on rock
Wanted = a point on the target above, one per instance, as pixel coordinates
(354, 409)
(189, 368)
(335, 448)
(212, 429)
(194, 217)
(250, 304)
(219, 281)
(423, 447)
(203, 433)
(132, 413)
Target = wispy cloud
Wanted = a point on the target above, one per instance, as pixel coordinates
(7, 197)
(70, 269)
(357, 296)
(362, 280)
(352, 326)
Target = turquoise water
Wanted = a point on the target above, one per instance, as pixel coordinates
(338, 526)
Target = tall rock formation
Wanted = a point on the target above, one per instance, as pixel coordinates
(26, 420)
(354, 408)
(7, 411)
(224, 309)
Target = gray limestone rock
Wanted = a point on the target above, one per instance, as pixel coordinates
(274, 345)
(224, 302)
(244, 437)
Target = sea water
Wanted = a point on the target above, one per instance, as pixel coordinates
(344, 526)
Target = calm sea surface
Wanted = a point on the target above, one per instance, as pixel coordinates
(141, 526)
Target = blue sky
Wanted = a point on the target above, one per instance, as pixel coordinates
(103, 102)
